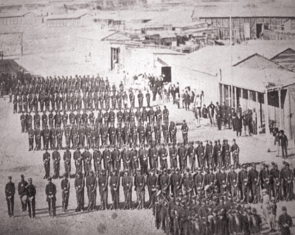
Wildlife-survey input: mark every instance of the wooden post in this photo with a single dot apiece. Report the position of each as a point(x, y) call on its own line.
point(222, 94)
point(266, 121)
point(280, 108)
point(234, 97)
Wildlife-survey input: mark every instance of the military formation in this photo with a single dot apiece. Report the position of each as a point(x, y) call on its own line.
point(111, 142)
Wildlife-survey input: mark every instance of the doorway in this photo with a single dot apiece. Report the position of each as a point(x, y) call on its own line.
point(259, 30)
point(115, 52)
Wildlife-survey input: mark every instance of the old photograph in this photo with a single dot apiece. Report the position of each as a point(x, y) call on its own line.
point(147, 117)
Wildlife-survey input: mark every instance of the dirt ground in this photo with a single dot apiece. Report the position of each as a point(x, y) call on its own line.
point(15, 159)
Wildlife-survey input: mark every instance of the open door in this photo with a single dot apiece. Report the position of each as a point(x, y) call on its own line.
point(115, 52)
point(166, 70)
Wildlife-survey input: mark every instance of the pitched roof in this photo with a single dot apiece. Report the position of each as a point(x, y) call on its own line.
point(75, 15)
point(116, 36)
point(255, 79)
point(239, 10)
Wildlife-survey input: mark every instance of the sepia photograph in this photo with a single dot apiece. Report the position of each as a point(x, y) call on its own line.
point(147, 117)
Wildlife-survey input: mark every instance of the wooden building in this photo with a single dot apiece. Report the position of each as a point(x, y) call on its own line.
point(20, 18)
point(69, 20)
point(246, 21)
point(286, 59)
point(256, 81)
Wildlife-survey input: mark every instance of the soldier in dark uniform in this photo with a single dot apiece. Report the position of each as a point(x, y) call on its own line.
point(285, 222)
point(31, 201)
point(23, 122)
point(199, 182)
point(149, 132)
point(235, 151)
point(140, 99)
point(114, 185)
point(153, 157)
point(275, 182)
point(20, 104)
point(254, 182)
point(65, 187)
point(143, 159)
point(287, 178)
point(103, 189)
point(50, 191)
point(97, 158)
point(91, 185)
point(218, 116)
point(22, 192)
point(56, 163)
point(163, 154)
point(46, 161)
point(139, 183)
point(31, 134)
point(67, 162)
point(191, 156)
point(127, 183)
point(112, 134)
point(201, 155)
point(151, 115)
point(232, 180)
point(157, 131)
point(172, 132)
point(184, 129)
point(9, 194)
point(59, 134)
point(15, 105)
point(119, 134)
point(173, 156)
point(148, 98)
point(182, 157)
point(79, 186)
point(87, 158)
point(244, 184)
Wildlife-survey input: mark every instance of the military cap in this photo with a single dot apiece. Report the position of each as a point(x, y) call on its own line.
point(284, 208)
point(9, 177)
point(287, 164)
point(49, 178)
point(22, 176)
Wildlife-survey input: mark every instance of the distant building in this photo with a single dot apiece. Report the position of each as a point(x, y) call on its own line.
point(19, 18)
point(248, 21)
point(69, 20)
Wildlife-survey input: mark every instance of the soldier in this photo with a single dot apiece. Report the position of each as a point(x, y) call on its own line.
point(37, 133)
point(141, 133)
point(20, 104)
point(285, 222)
point(23, 122)
point(15, 105)
point(151, 116)
point(91, 185)
point(153, 157)
point(209, 151)
point(31, 134)
point(254, 182)
point(200, 151)
point(149, 132)
point(119, 134)
point(244, 184)
point(59, 134)
point(173, 156)
point(140, 99)
point(139, 183)
point(191, 156)
point(103, 190)
point(97, 158)
point(79, 186)
point(172, 132)
point(287, 178)
point(184, 129)
point(134, 160)
point(107, 159)
point(44, 120)
point(188, 184)
point(235, 151)
point(264, 177)
point(226, 153)
point(65, 187)
point(114, 185)
point(182, 153)
point(275, 182)
point(112, 134)
point(9, 194)
point(127, 183)
point(164, 182)
point(46, 161)
point(52, 138)
point(87, 158)
point(157, 131)
point(163, 157)
point(65, 119)
point(22, 192)
point(56, 163)
point(209, 181)
point(199, 182)
point(31, 201)
point(143, 159)
point(67, 162)
point(165, 133)
point(50, 119)
point(50, 191)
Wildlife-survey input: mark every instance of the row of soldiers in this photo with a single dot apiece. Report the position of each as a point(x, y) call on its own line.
point(186, 185)
point(244, 184)
point(145, 157)
point(78, 101)
point(82, 118)
point(217, 214)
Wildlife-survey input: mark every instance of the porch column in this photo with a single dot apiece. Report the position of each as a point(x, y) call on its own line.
point(280, 108)
point(234, 97)
point(222, 94)
point(266, 121)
